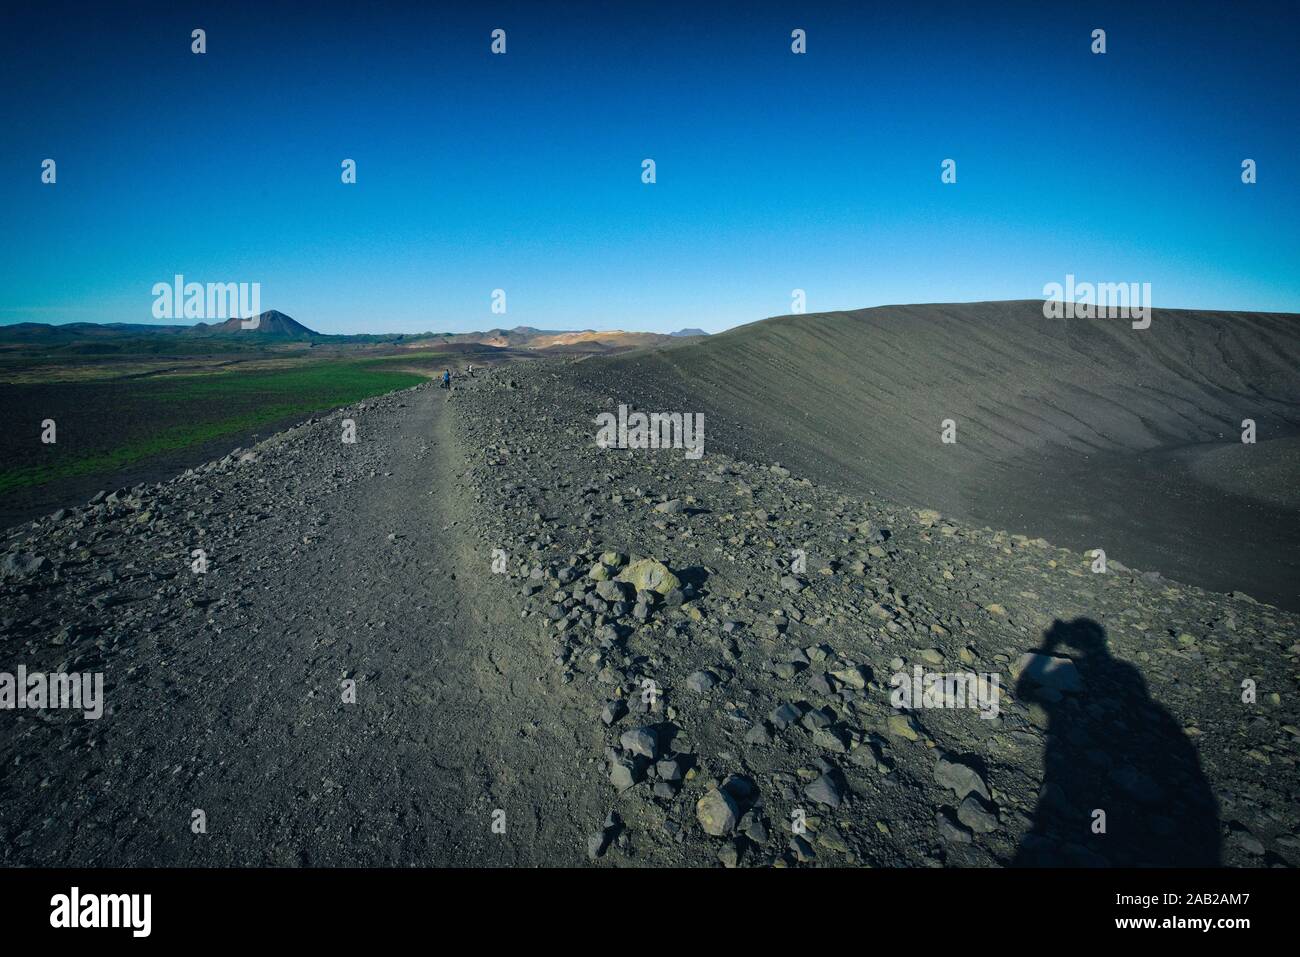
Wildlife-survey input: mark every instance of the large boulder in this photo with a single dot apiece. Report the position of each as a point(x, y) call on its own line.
point(650, 574)
point(717, 812)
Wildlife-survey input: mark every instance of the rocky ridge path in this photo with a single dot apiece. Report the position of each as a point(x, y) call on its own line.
point(327, 562)
point(1142, 721)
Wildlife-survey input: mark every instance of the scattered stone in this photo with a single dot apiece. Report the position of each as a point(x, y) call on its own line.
point(758, 734)
point(669, 769)
point(598, 842)
point(976, 815)
point(852, 675)
point(950, 829)
point(803, 851)
point(903, 726)
point(701, 681)
point(717, 812)
point(623, 774)
point(960, 777)
point(612, 590)
point(1049, 671)
point(641, 741)
point(785, 715)
point(729, 854)
point(613, 710)
point(22, 565)
point(827, 789)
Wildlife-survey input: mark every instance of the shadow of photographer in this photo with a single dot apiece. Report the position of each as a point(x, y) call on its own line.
point(1122, 785)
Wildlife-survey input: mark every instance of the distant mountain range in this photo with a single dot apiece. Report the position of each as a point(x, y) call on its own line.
point(271, 325)
point(276, 327)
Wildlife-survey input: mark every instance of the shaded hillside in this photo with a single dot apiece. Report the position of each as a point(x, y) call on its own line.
point(1086, 431)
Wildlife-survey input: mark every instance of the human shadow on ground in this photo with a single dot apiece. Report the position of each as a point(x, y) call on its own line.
point(1111, 749)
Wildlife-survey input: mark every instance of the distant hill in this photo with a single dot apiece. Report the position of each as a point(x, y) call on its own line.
point(527, 339)
point(270, 325)
point(561, 340)
point(277, 327)
point(41, 332)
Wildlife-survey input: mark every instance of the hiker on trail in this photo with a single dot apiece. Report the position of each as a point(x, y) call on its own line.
point(446, 379)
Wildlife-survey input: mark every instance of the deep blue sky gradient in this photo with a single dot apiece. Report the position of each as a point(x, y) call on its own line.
point(522, 171)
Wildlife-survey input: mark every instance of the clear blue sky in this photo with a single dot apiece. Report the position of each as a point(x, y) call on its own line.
point(523, 171)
